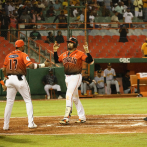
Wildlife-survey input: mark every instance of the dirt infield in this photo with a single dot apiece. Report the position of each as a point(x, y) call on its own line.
point(101, 124)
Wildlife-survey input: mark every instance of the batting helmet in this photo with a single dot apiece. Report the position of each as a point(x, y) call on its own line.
point(74, 41)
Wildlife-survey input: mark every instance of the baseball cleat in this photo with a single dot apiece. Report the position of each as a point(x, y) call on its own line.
point(145, 119)
point(80, 121)
point(85, 94)
point(33, 126)
point(48, 97)
point(60, 97)
point(95, 93)
point(5, 128)
point(64, 121)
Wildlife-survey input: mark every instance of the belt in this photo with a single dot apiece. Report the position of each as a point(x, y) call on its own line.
point(101, 88)
point(18, 76)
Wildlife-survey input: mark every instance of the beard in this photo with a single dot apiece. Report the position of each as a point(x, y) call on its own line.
point(70, 48)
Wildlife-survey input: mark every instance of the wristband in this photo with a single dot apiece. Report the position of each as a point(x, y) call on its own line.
point(35, 66)
point(41, 65)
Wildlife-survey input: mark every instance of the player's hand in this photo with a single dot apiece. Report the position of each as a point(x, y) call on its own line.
point(4, 87)
point(86, 47)
point(56, 46)
point(47, 64)
point(105, 84)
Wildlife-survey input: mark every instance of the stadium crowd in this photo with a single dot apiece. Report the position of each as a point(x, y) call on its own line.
point(25, 11)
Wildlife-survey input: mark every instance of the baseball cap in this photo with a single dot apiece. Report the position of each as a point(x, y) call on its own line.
point(115, 4)
point(99, 71)
point(72, 39)
point(19, 43)
point(109, 64)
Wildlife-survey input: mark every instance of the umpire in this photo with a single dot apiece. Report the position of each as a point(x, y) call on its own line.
point(50, 81)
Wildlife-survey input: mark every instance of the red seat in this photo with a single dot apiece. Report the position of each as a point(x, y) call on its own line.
point(1, 39)
point(44, 37)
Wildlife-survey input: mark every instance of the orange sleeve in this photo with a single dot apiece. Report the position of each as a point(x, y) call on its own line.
point(84, 57)
point(60, 58)
point(6, 62)
point(26, 60)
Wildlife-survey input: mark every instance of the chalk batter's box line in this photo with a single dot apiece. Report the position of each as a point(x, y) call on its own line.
point(143, 115)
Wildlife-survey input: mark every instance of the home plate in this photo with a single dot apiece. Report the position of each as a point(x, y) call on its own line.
point(139, 124)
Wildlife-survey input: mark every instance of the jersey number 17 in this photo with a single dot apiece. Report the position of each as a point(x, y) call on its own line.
point(13, 62)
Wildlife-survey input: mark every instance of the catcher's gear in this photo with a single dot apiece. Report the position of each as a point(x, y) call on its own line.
point(74, 41)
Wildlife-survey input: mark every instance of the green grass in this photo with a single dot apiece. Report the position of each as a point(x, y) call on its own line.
point(91, 106)
point(115, 140)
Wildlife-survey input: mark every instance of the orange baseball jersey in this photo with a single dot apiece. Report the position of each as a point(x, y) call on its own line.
point(16, 63)
point(72, 62)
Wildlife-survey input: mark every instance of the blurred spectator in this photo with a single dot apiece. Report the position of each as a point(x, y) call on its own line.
point(123, 34)
point(41, 6)
point(99, 79)
point(114, 19)
point(35, 35)
point(15, 13)
point(81, 18)
point(45, 2)
point(107, 3)
point(50, 38)
point(13, 25)
point(11, 7)
point(75, 12)
point(100, 2)
point(50, 12)
point(86, 83)
point(62, 19)
point(92, 19)
point(145, 10)
point(34, 17)
point(138, 8)
point(57, 6)
point(65, 3)
point(105, 11)
point(6, 6)
point(119, 9)
point(25, 18)
point(59, 38)
point(5, 21)
point(144, 49)
point(124, 7)
point(65, 11)
point(74, 2)
point(126, 83)
point(127, 17)
point(40, 16)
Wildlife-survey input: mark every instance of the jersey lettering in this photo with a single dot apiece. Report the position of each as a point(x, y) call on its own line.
point(69, 60)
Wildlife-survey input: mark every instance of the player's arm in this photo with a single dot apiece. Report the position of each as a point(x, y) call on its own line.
point(42, 65)
point(55, 48)
point(89, 58)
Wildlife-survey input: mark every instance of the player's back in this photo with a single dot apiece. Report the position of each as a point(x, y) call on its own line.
point(16, 63)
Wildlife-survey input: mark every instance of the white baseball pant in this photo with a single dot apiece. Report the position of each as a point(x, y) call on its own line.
point(115, 82)
point(14, 85)
point(72, 83)
point(55, 87)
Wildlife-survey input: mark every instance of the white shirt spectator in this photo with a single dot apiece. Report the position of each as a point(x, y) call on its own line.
point(75, 12)
point(128, 17)
point(41, 6)
point(81, 18)
point(124, 8)
point(91, 18)
point(10, 9)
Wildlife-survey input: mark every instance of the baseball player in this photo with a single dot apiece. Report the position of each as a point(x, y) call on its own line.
point(50, 81)
point(88, 82)
point(110, 78)
point(99, 79)
point(14, 70)
point(72, 61)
